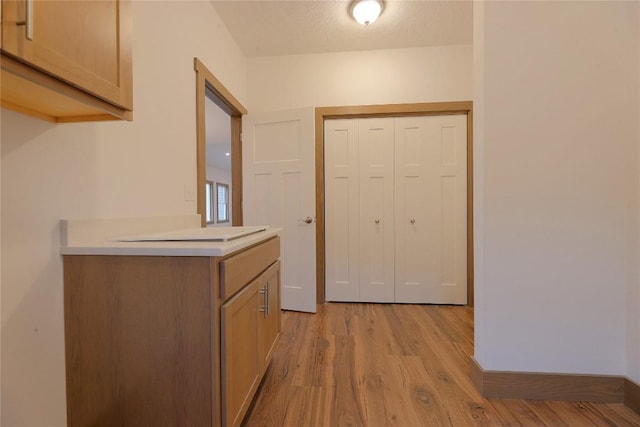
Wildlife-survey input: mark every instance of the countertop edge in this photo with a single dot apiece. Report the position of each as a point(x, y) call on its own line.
point(169, 248)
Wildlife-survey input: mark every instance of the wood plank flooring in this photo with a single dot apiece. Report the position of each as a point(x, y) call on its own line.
point(379, 365)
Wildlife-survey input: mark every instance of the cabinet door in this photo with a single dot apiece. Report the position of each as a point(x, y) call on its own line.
point(269, 325)
point(85, 43)
point(241, 368)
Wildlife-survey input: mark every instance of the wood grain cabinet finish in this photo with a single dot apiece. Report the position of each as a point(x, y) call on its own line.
point(67, 60)
point(240, 359)
point(150, 342)
point(250, 330)
point(269, 324)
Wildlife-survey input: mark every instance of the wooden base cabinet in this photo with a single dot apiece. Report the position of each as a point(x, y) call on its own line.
point(157, 341)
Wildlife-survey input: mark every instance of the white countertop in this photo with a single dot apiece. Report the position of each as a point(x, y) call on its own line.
point(104, 237)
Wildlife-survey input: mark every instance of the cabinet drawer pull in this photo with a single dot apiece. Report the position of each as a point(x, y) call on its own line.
point(28, 22)
point(264, 308)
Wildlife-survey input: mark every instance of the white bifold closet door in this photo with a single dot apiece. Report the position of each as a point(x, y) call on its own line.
point(342, 209)
point(431, 209)
point(395, 197)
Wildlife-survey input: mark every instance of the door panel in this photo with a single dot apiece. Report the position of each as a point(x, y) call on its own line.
point(342, 210)
point(279, 191)
point(431, 196)
point(376, 264)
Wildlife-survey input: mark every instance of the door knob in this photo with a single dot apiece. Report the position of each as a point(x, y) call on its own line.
point(307, 220)
point(377, 221)
point(413, 220)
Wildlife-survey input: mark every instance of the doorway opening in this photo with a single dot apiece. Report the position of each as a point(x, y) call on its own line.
point(218, 151)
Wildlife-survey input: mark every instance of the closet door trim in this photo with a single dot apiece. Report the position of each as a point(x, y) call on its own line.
point(390, 110)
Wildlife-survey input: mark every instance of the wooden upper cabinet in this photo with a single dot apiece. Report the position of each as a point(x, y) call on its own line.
point(75, 54)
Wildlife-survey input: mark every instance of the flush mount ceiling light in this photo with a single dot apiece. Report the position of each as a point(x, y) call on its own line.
point(366, 11)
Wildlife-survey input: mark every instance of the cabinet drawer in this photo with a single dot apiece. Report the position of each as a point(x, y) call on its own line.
point(237, 271)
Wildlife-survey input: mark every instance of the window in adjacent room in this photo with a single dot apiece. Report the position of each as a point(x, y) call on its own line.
point(209, 202)
point(222, 212)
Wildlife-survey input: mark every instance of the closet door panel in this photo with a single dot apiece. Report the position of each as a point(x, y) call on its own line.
point(453, 174)
point(341, 210)
point(417, 219)
point(377, 251)
point(430, 214)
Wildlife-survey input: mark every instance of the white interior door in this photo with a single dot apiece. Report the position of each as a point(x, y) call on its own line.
point(278, 190)
point(431, 209)
point(342, 210)
point(376, 166)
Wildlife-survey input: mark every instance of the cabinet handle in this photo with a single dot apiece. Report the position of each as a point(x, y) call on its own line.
point(413, 220)
point(28, 22)
point(264, 308)
point(377, 221)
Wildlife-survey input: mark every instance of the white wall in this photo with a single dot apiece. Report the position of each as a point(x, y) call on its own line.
point(218, 175)
point(430, 74)
point(559, 216)
point(478, 179)
point(86, 170)
point(1, 111)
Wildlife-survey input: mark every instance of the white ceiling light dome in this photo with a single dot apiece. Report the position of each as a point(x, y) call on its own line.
point(366, 11)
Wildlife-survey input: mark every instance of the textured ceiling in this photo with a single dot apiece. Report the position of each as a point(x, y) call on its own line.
point(285, 27)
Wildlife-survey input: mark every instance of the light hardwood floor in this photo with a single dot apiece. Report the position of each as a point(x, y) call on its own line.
point(379, 365)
